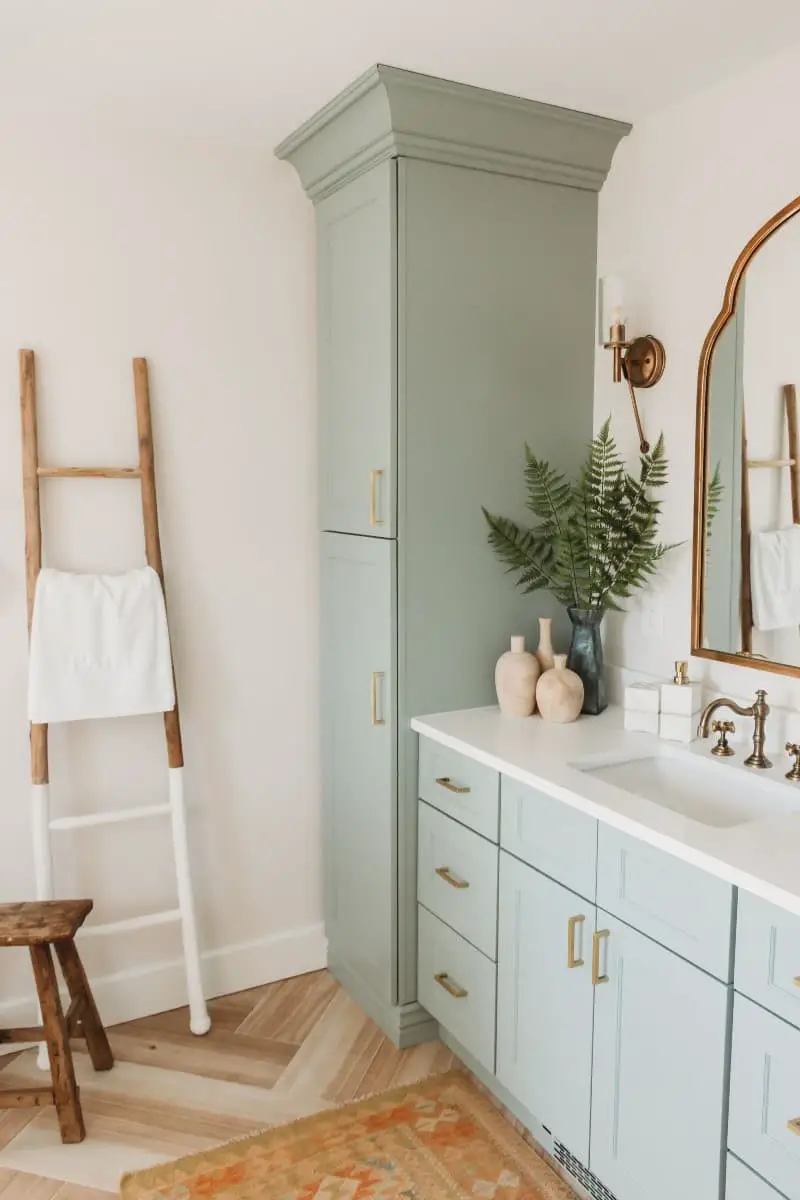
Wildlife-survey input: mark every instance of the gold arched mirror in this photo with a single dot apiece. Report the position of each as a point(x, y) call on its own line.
point(746, 576)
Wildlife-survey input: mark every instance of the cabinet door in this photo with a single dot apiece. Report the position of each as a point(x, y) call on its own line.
point(356, 320)
point(359, 759)
point(658, 1080)
point(544, 1004)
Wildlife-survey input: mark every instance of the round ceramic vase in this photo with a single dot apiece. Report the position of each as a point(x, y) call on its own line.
point(515, 678)
point(559, 693)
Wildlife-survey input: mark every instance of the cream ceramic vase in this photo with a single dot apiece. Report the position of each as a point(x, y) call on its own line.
point(559, 693)
point(515, 678)
point(544, 651)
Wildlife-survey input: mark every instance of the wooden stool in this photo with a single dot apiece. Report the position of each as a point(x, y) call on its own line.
point(40, 926)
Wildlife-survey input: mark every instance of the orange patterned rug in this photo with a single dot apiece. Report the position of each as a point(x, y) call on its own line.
point(436, 1140)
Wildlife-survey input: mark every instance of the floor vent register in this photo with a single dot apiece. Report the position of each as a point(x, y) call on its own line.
point(582, 1174)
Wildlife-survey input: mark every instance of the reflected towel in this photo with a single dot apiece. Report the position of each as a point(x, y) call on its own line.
point(775, 577)
point(99, 647)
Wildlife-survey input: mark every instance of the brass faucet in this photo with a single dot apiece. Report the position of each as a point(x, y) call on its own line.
point(758, 710)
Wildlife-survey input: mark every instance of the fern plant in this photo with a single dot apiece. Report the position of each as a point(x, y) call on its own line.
point(595, 541)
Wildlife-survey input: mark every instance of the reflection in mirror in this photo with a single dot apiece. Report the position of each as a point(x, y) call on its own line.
point(751, 596)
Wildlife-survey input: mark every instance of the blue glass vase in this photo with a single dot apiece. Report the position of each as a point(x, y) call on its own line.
point(586, 657)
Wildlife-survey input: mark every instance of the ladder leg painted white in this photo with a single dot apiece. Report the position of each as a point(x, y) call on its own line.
point(43, 870)
point(199, 1020)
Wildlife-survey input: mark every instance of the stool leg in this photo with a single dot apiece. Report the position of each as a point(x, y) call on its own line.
point(62, 1071)
point(78, 985)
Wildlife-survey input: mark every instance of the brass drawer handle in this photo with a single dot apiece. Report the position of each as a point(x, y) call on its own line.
point(373, 493)
point(797, 981)
point(446, 782)
point(444, 873)
point(376, 720)
point(453, 989)
point(794, 1126)
point(600, 936)
point(572, 925)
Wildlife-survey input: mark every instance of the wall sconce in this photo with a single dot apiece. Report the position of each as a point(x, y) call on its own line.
point(639, 362)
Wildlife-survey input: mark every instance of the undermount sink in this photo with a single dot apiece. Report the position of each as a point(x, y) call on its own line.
point(712, 793)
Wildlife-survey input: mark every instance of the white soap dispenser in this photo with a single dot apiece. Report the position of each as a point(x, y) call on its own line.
point(681, 702)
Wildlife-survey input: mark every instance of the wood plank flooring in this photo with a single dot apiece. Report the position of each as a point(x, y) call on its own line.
point(274, 1054)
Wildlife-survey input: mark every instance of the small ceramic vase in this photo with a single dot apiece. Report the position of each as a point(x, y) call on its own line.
point(515, 678)
point(544, 651)
point(559, 693)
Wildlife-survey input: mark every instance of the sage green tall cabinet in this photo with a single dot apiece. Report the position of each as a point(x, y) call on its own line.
point(456, 260)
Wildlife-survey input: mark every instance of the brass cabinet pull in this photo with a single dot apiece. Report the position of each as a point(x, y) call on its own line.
point(794, 1126)
point(572, 925)
point(444, 980)
point(446, 782)
point(374, 476)
point(444, 873)
point(599, 937)
point(376, 720)
point(797, 981)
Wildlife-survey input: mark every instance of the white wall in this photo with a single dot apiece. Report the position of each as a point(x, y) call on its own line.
point(686, 191)
point(113, 245)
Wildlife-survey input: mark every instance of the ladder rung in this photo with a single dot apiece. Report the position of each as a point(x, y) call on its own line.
point(111, 818)
point(88, 472)
point(145, 922)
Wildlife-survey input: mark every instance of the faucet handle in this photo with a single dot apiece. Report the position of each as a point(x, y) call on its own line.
point(793, 750)
point(722, 749)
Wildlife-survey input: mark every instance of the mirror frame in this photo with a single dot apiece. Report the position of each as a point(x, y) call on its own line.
point(701, 449)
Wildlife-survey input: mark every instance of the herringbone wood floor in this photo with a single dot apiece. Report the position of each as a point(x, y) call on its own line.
point(274, 1054)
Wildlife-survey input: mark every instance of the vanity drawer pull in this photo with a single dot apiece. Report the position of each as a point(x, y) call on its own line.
point(600, 936)
point(454, 989)
point(572, 925)
point(446, 782)
point(797, 981)
point(794, 1126)
point(444, 873)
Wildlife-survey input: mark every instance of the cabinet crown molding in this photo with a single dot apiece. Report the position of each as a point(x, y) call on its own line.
point(388, 113)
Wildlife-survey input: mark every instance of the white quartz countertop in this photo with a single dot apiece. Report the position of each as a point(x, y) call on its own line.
point(761, 856)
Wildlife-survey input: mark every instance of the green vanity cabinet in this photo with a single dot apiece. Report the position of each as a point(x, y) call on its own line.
point(456, 263)
point(545, 1000)
point(659, 1077)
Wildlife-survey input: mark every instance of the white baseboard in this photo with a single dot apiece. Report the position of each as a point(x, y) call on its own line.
point(161, 986)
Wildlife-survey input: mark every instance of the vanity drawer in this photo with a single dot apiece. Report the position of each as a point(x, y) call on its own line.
point(676, 904)
point(549, 835)
point(460, 787)
point(457, 878)
point(458, 986)
point(744, 1184)
point(768, 956)
point(764, 1119)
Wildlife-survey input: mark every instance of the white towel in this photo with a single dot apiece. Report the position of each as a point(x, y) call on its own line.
point(775, 577)
point(99, 647)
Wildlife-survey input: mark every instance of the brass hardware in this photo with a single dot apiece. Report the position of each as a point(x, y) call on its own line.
point(572, 925)
point(793, 750)
point(794, 1126)
point(703, 468)
point(376, 720)
point(444, 873)
point(758, 710)
point(723, 728)
point(681, 676)
point(640, 363)
point(374, 476)
point(797, 981)
point(446, 782)
point(454, 989)
point(601, 936)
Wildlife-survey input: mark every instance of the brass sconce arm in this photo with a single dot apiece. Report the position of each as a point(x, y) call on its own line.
point(641, 363)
